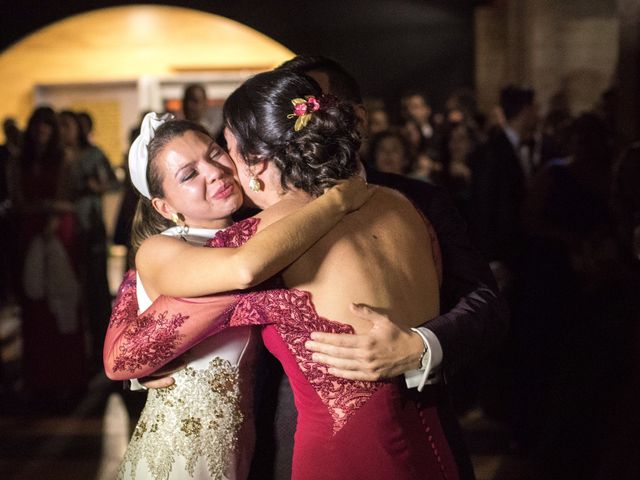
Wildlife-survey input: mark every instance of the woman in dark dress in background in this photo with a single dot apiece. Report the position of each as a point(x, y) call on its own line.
point(54, 364)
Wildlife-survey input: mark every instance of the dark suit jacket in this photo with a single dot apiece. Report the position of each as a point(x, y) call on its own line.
point(498, 193)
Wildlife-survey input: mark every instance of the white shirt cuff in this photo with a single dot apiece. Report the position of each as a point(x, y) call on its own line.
point(136, 385)
point(428, 373)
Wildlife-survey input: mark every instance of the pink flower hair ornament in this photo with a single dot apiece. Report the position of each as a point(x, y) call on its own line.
point(303, 108)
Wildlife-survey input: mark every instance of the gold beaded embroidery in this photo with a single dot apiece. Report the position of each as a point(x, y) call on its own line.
point(196, 418)
point(191, 426)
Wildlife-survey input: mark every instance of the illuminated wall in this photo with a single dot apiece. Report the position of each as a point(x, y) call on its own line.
point(569, 47)
point(125, 43)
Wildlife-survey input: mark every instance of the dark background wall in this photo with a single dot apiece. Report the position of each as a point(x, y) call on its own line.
point(389, 45)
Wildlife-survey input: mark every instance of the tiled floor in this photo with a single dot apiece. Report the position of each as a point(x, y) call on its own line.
point(86, 438)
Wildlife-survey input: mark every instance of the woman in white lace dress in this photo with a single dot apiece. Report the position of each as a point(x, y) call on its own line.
point(201, 427)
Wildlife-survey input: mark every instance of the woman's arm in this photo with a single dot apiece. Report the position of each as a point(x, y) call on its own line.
point(174, 268)
point(138, 344)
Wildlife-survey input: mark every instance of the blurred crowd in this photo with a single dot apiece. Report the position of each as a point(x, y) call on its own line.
point(54, 248)
point(550, 198)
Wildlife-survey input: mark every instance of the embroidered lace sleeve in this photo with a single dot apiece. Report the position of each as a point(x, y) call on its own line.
point(137, 344)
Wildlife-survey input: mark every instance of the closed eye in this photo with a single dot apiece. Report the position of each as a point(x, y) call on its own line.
point(189, 175)
point(215, 154)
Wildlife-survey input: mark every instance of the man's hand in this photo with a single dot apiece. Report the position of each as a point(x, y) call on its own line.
point(162, 378)
point(502, 274)
point(385, 351)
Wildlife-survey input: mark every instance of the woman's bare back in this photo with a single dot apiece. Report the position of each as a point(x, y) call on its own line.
point(381, 256)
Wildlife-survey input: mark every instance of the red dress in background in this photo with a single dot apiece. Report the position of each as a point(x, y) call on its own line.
point(346, 429)
point(52, 331)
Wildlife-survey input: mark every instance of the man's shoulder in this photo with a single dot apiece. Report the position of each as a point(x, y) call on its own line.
point(416, 190)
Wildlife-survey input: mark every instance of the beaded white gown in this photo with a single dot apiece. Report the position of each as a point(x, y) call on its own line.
point(201, 427)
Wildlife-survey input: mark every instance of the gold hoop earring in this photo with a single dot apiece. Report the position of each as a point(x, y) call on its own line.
point(183, 228)
point(255, 184)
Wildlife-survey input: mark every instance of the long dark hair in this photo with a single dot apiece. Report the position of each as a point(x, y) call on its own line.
point(147, 221)
point(81, 138)
point(53, 152)
point(312, 158)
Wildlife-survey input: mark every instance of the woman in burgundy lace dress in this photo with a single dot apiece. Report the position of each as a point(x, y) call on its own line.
point(289, 143)
point(201, 428)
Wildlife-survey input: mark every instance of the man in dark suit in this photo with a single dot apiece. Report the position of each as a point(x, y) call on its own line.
point(500, 174)
point(500, 177)
point(474, 318)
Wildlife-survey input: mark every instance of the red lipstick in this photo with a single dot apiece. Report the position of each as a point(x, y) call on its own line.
point(224, 191)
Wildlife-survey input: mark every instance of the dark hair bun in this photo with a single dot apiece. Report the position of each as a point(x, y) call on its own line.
point(312, 158)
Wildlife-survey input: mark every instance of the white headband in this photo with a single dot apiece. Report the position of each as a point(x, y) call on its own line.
point(139, 153)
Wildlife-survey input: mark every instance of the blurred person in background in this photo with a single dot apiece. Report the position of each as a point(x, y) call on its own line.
point(460, 148)
point(54, 365)
point(378, 121)
point(389, 152)
point(500, 178)
point(499, 172)
point(12, 139)
point(427, 164)
point(426, 168)
point(91, 176)
point(573, 289)
point(195, 105)
point(410, 130)
point(415, 106)
point(9, 155)
point(555, 126)
point(620, 448)
point(461, 107)
point(626, 201)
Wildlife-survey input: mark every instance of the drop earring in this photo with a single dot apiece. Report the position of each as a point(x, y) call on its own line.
point(183, 228)
point(255, 184)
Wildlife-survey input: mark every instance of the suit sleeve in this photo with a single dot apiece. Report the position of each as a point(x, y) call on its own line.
point(476, 316)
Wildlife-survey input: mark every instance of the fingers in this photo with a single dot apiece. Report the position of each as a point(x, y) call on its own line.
point(351, 369)
point(354, 375)
point(163, 382)
point(340, 363)
point(329, 349)
point(338, 186)
point(344, 340)
point(365, 312)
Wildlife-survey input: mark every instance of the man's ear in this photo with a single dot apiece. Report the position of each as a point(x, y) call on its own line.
point(162, 207)
point(362, 117)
